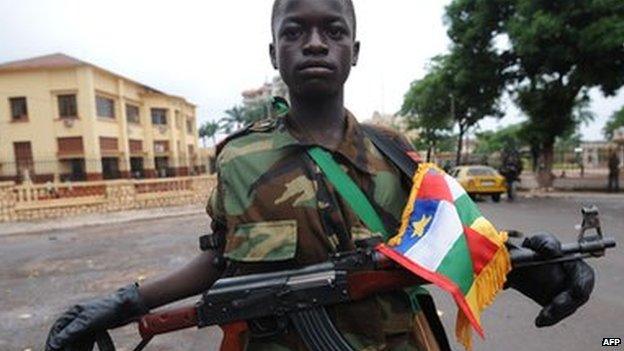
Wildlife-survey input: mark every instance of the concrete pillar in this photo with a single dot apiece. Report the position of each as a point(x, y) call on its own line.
point(124, 159)
point(174, 159)
point(148, 141)
point(87, 113)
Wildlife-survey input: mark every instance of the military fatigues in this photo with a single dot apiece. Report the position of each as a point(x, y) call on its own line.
point(276, 211)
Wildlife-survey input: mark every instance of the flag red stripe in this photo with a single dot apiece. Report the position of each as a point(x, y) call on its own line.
point(481, 249)
point(434, 187)
point(436, 279)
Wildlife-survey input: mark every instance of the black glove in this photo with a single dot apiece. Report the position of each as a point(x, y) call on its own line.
point(561, 288)
point(78, 326)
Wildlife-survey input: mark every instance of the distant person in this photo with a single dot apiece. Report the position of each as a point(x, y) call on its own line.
point(614, 172)
point(511, 168)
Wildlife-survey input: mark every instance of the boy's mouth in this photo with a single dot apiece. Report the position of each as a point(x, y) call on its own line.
point(316, 67)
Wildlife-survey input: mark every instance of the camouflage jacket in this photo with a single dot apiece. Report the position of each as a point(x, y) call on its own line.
point(276, 210)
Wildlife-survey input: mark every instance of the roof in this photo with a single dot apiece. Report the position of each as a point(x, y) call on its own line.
point(57, 60)
point(60, 60)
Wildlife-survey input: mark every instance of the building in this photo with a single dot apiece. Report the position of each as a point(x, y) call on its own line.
point(262, 96)
point(65, 119)
point(595, 154)
point(396, 122)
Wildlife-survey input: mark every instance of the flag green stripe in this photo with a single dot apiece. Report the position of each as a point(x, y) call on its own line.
point(467, 210)
point(457, 265)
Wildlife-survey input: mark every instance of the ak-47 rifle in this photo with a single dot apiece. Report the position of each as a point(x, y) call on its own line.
point(299, 296)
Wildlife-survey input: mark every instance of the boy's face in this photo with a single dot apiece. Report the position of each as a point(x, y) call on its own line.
point(314, 46)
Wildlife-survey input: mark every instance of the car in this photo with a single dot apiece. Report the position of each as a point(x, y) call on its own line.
point(480, 180)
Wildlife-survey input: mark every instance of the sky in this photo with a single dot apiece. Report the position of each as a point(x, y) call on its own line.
point(211, 51)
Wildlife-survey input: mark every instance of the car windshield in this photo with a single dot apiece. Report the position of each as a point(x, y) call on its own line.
point(481, 171)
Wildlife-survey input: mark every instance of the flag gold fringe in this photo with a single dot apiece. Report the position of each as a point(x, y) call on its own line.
point(486, 286)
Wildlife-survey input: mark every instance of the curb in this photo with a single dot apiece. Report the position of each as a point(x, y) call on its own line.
point(570, 194)
point(23, 228)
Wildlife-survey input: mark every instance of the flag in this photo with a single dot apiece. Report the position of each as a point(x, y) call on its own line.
point(444, 239)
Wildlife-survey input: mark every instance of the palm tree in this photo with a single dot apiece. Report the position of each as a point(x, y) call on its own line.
point(209, 129)
point(235, 119)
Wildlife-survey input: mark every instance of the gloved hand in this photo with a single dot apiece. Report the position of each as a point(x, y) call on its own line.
point(561, 288)
point(79, 325)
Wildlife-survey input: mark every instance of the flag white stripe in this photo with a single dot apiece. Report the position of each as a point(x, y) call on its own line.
point(456, 189)
point(446, 227)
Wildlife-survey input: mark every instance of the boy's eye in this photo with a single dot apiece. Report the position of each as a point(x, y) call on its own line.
point(291, 33)
point(336, 32)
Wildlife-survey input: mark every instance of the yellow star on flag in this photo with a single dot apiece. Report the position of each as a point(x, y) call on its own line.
point(419, 227)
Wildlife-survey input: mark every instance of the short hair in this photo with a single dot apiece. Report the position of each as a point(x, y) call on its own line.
point(278, 3)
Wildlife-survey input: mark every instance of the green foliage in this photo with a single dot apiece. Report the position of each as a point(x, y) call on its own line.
point(234, 119)
point(615, 121)
point(557, 50)
point(509, 137)
point(426, 108)
point(240, 116)
point(209, 129)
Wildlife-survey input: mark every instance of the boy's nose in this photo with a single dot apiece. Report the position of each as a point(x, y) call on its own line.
point(315, 45)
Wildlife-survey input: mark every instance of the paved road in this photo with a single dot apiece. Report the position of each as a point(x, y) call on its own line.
point(42, 273)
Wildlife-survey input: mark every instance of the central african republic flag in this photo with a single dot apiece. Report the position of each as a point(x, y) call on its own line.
point(444, 239)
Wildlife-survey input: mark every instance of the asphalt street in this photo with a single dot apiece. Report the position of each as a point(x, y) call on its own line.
point(42, 273)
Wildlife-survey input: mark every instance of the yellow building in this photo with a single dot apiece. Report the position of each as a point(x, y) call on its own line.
point(66, 119)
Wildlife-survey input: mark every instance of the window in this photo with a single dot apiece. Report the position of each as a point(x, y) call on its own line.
point(189, 126)
point(110, 168)
point(161, 146)
point(67, 106)
point(159, 116)
point(19, 110)
point(132, 114)
point(105, 107)
point(108, 144)
point(136, 146)
point(481, 171)
point(24, 159)
point(70, 145)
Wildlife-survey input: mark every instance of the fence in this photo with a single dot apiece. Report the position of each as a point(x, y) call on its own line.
point(29, 201)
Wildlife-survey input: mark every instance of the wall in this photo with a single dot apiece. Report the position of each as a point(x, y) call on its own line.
point(29, 202)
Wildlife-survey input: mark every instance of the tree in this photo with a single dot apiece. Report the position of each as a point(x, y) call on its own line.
point(615, 121)
point(209, 129)
point(234, 119)
point(557, 50)
point(490, 142)
point(450, 82)
point(256, 111)
point(425, 106)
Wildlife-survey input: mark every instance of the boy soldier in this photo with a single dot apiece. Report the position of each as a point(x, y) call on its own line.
point(273, 209)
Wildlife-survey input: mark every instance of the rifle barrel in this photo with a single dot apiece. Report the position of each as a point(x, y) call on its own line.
point(571, 251)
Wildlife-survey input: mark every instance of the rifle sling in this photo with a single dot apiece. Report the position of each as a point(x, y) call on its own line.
point(349, 191)
point(391, 149)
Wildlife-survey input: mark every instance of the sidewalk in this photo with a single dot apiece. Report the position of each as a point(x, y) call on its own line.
point(534, 193)
point(15, 228)
point(572, 182)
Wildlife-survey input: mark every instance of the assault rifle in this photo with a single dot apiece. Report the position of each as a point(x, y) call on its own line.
point(298, 297)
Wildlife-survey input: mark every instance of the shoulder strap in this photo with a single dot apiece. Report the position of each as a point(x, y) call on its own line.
point(391, 149)
point(349, 191)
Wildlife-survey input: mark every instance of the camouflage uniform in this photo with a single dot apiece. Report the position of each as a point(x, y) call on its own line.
point(277, 211)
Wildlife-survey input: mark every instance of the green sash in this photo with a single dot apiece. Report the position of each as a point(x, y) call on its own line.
point(349, 191)
point(360, 204)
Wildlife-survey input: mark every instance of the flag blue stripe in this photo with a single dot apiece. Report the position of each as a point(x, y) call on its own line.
point(421, 209)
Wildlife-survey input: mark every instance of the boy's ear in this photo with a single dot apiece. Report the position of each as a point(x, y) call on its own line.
point(356, 53)
point(272, 54)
